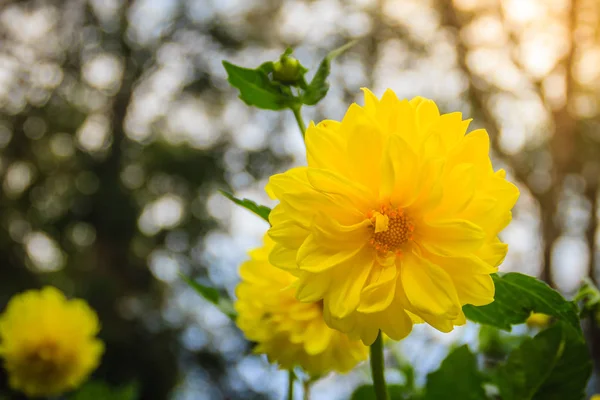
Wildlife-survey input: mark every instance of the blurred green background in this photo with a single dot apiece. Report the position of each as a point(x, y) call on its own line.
point(117, 128)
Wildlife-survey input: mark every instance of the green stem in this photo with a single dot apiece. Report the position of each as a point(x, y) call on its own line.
point(299, 120)
point(307, 384)
point(377, 369)
point(291, 376)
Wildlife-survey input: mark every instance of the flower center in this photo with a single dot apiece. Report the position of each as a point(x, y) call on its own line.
point(392, 228)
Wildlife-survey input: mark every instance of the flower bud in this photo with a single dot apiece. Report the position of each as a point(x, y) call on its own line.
point(538, 320)
point(288, 70)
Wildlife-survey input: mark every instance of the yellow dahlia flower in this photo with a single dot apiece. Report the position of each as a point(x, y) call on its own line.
point(394, 220)
point(48, 342)
point(289, 332)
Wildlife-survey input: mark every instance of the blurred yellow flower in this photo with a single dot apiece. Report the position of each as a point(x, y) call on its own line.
point(48, 342)
point(538, 320)
point(595, 397)
point(289, 332)
point(394, 220)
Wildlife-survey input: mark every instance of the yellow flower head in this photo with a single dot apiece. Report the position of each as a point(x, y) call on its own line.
point(394, 220)
point(48, 342)
point(289, 332)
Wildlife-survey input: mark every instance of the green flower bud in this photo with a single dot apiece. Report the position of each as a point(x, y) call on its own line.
point(288, 70)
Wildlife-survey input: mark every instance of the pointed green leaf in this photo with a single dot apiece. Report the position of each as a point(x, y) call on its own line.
point(261, 211)
point(554, 365)
point(256, 89)
point(518, 295)
point(212, 295)
point(457, 378)
point(318, 86)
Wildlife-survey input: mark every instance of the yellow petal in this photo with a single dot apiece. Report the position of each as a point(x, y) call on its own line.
point(294, 180)
point(379, 291)
point(441, 323)
point(312, 288)
point(288, 233)
point(493, 253)
point(451, 130)
point(347, 324)
point(353, 193)
point(415, 318)
point(314, 257)
point(365, 146)
point(330, 232)
point(427, 114)
point(329, 124)
point(399, 173)
point(350, 278)
point(318, 138)
point(459, 190)
point(406, 124)
point(304, 311)
point(387, 112)
point(449, 237)
point(303, 206)
point(284, 258)
point(319, 338)
point(473, 149)
point(428, 287)
point(480, 208)
point(367, 327)
point(476, 289)
point(430, 187)
point(461, 320)
point(462, 264)
point(395, 322)
point(371, 102)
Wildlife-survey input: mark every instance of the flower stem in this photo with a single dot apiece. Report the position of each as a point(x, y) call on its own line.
point(290, 395)
point(299, 120)
point(307, 384)
point(377, 369)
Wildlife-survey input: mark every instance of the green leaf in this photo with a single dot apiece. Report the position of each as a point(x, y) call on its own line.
point(589, 296)
point(367, 392)
point(261, 211)
point(318, 86)
point(256, 89)
point(554, 365)
point(497, 344)
point(212, 295)
point(96, 390)
point(457, 378)
point(518, 295)
point(209, 293)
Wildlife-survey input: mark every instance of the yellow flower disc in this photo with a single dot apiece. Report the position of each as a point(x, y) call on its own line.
point(48, 343)
point(289, 332)
point(394, 220)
